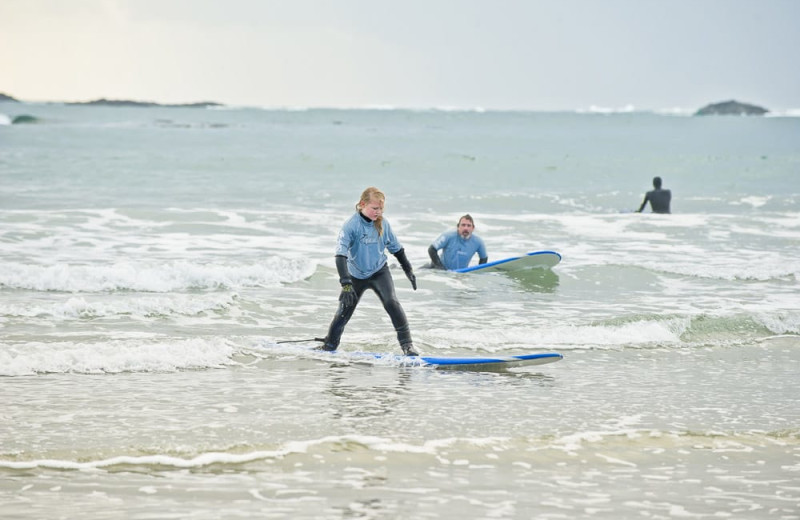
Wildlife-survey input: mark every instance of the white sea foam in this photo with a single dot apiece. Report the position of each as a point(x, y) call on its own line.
point(753, 200)
point(594, 109)
point(748, 265)
point(675, 111)
point(782, 322)
point(658, 243)
point(435, 447)
point(641, 333)
point(789, 112)
point(209, 458)
point(5, 120)
point(111, 235)
point(78, 307)
point(204, 459)
point(141, 276)
point(114, 356)
point(447, 451)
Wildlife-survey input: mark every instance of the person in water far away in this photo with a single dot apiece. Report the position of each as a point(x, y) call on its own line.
point(361, 264)
point(458, 246)
point(659, 199)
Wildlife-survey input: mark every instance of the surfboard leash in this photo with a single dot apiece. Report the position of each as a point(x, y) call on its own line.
point(322, 340)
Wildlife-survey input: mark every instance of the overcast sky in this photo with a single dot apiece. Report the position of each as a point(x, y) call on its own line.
point(491, 54)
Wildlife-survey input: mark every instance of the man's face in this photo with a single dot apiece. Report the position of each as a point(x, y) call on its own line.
point(465, 228)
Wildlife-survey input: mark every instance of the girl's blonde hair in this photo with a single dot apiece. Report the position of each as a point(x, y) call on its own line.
point(373, 193)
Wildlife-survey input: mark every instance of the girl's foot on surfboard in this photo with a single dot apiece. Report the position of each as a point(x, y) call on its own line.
point(326, 347)
point(409, 350)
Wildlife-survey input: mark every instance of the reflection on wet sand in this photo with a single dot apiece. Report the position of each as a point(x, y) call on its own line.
point(359, 395)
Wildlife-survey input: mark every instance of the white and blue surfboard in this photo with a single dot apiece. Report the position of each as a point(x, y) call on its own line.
point(451, 362)
point(517, 360)
point(540, 259)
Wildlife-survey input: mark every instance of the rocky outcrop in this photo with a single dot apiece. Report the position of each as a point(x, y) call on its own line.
point(24, 118)
point(731, 108)
point(126, 103)
point(130, 103)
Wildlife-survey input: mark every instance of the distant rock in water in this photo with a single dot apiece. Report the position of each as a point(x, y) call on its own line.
point(4, 97)
point(130, 103)
point(731, 108)
point(24, 118)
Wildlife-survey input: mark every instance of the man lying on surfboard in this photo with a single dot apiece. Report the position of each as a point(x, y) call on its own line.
point(458, 246)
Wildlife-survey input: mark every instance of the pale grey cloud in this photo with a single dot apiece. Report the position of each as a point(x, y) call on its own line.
point(554, 54)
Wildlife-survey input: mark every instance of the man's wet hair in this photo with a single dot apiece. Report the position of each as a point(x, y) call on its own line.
point(468, 217)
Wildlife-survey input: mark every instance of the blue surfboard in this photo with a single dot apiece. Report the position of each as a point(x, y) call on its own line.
point(456, 362)
point(542, 259)
point(518, 360)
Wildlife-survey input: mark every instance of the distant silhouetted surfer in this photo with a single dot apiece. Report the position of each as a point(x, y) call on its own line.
point(659, 199)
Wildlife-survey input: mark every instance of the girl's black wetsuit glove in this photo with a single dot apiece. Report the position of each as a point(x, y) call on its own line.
point(348, 295)
point(406, 265)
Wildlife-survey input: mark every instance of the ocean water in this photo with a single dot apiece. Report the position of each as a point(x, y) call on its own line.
point(151, 259)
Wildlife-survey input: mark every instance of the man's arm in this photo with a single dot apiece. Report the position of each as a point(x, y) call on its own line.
point(436, 262)
point(483, 255)
point(644, 203)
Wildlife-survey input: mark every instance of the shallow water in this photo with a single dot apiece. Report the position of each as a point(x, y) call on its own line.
point(152, 259)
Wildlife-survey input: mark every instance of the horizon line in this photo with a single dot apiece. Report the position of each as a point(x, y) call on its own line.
point(216, 105)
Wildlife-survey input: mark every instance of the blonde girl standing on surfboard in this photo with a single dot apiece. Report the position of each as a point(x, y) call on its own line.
point(362, 264)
